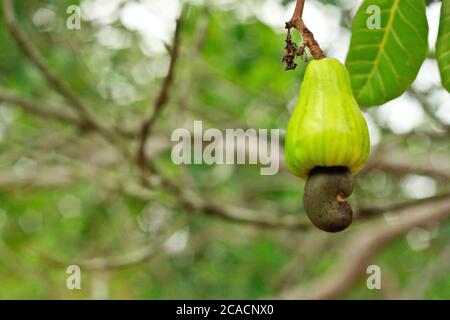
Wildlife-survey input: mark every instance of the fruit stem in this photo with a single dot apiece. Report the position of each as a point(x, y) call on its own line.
point(298, 11)
point(308, 38)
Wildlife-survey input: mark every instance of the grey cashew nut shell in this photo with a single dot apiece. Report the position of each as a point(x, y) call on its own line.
point(324, 198)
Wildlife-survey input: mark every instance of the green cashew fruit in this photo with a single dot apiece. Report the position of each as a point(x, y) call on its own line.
point(327, 140)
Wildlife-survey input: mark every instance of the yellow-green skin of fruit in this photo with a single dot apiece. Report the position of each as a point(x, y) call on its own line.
point(327, 127)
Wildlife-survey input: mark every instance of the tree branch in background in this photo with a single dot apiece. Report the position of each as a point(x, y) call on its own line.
point(38, 61)
point(56, 176)
point(88, 122)
point(372, 238)
point(363, 246)
point(193, 203)
point(32, 107)
point(403, 167)
point(121, 261)
point(387, 157)
point(366, 212)
point(163, 95)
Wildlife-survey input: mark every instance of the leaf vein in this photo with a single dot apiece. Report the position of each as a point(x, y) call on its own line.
point(383, 43)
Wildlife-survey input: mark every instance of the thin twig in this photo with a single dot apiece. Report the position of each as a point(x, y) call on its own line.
point(162, 97)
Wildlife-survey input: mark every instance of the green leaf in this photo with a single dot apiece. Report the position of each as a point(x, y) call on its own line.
point(384, 61)
point(443, 45)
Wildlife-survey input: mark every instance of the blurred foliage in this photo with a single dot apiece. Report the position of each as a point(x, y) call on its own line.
point(230, 77)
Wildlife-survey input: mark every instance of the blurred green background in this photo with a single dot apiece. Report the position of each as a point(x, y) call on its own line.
point(68, 196)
